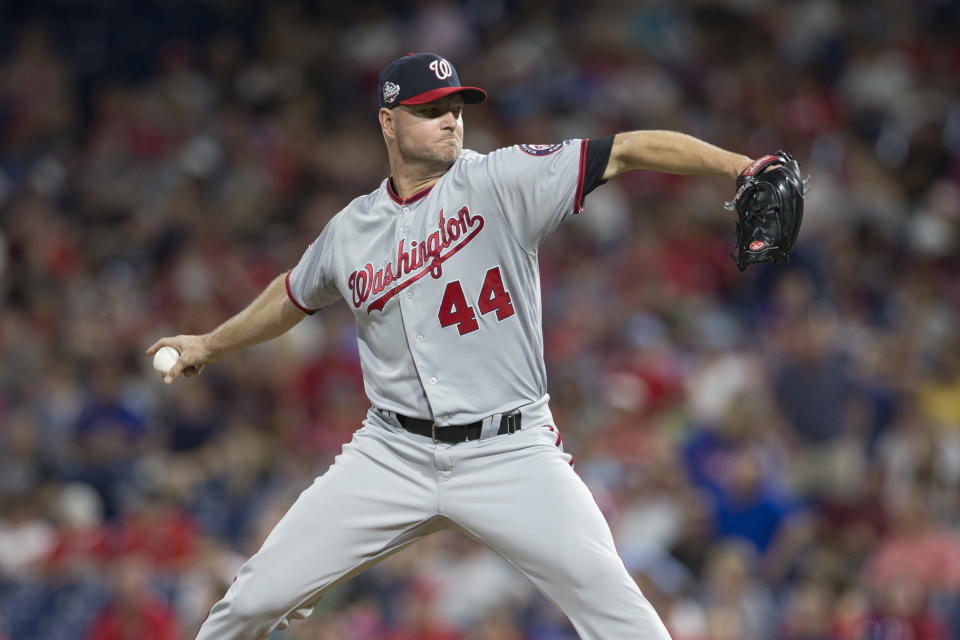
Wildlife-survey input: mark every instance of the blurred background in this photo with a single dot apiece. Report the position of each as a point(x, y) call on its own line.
point(778, 452)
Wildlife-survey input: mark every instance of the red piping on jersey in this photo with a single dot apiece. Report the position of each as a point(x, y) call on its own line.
point(578, 198)
point(396, 197)
point(559, 440)
point(556, 431)
point(286, 282)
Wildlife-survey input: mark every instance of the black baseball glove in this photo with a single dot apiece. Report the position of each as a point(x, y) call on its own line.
point(769, 204)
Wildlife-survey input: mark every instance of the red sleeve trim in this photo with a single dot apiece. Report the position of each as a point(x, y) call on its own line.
point(286, 282)
point(578, 197)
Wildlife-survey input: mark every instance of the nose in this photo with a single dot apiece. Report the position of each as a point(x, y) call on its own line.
point(448, 120)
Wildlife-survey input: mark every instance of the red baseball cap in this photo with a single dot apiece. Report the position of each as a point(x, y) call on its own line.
point(417, 78)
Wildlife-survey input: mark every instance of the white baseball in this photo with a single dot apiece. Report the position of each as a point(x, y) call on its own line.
point(164, 359)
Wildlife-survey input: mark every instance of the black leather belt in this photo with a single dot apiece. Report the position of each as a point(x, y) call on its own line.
point(458, 433)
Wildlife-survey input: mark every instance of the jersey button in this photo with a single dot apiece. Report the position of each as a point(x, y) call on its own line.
point(433, 381)
point(406, 209)
point(409, 295)
point(420, 337)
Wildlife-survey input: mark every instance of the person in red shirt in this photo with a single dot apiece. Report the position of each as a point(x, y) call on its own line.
point(135, 612)
point(901, 611)
point(418, 618)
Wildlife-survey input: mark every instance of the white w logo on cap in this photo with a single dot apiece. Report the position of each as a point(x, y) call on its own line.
point(441, 68)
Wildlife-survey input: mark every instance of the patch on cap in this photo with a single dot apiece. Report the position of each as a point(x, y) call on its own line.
point(390, 92)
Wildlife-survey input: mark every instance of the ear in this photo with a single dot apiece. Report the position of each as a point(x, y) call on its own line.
point(387, 123)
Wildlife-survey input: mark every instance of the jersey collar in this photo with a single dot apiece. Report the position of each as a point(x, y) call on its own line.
point(419, 195)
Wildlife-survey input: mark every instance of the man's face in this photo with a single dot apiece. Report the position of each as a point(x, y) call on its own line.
point(432, 133)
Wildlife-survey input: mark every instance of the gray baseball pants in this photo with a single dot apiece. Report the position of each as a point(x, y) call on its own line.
point(516, 493)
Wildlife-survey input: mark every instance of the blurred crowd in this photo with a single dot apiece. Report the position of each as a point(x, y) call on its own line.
point(778, 451)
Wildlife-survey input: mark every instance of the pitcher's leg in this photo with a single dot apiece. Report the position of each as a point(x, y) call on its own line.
point(529, 506)
point(373, 501)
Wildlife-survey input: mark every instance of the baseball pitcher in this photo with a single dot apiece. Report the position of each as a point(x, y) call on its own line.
point(439, 266)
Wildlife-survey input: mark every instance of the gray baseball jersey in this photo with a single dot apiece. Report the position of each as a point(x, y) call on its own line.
point(446, 293)
point(454, 268)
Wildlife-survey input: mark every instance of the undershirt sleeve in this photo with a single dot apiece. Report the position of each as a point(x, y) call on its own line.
point(598, 155)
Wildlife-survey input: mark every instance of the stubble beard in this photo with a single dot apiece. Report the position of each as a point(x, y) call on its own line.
point(433, 159)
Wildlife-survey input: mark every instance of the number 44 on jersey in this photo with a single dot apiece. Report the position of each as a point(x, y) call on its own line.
point(454, 309)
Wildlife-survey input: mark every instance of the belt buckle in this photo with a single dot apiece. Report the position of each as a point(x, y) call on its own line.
point(433, 432)
point(508, 424)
